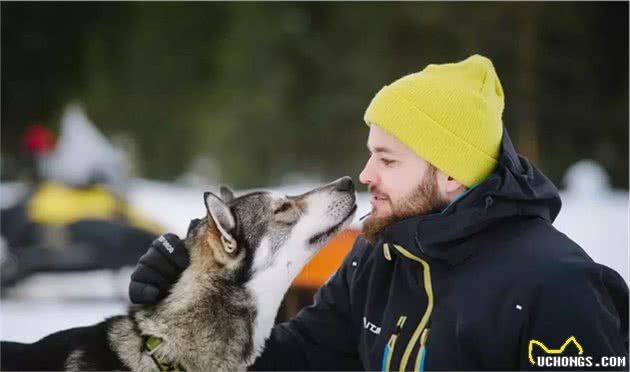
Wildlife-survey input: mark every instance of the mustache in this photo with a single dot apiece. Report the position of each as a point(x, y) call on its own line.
point(376, 191)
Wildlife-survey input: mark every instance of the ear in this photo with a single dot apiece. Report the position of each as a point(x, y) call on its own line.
point(223, 219)
point(226, 194)
point(452, 185)
point(449, 186)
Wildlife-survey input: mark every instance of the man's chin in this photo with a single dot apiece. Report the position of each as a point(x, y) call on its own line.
point(374, 225)
point(424, 199)
point(377, 221)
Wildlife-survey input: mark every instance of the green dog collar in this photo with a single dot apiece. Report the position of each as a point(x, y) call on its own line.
point(151, 345)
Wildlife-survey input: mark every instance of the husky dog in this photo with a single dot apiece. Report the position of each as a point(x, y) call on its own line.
point(244, 254)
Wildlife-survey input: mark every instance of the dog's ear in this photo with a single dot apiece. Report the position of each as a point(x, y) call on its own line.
point(226, 194)
point(223, 219)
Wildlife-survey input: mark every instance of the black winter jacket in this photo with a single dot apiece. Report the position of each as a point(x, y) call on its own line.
point(488, 284)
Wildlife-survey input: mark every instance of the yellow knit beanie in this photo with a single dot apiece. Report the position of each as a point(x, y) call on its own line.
point(449, 114)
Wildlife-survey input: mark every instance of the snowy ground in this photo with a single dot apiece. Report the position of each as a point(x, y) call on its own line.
point(592, 215)
point(28, 321)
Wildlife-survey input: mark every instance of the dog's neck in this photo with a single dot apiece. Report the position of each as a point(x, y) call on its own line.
point(204, 324)
point(268, 289)
point(206, 321)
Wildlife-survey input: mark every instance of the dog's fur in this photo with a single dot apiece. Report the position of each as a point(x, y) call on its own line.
point(243, 257)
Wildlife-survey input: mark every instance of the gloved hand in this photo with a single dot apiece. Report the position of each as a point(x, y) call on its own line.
point(158, 270)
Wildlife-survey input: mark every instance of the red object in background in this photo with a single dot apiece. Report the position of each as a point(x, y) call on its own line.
point(38, 139)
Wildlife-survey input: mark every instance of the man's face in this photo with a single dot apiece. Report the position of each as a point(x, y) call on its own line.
point(401, 183)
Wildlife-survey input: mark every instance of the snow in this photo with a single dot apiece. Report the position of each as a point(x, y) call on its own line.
point(28, 321)
point(48, 303)
point(595, 216)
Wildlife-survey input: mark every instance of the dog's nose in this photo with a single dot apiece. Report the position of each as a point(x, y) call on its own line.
point(344, 184)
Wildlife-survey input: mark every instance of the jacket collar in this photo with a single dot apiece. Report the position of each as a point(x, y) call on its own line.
point(515, 188)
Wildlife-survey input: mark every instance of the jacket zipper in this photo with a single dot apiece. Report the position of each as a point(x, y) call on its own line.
point(419, 366)
point(422, 329)
point(391, 344)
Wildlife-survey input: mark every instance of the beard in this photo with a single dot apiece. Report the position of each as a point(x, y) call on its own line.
point(424, 199)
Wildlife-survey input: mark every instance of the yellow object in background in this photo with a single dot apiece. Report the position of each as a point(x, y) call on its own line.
point(57, 204)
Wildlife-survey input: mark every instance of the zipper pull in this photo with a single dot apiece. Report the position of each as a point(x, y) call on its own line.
point(392, 341)
point(394, 336)
point(400, 324)
point(424, 336)
point(386, 253)
point(419, 366)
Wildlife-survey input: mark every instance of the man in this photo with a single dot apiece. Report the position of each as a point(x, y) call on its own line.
point(458, 266)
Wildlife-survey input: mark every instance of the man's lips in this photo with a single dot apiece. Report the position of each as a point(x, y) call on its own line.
point(377, 200)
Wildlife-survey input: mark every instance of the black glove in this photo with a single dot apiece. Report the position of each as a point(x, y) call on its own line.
point(158, 270)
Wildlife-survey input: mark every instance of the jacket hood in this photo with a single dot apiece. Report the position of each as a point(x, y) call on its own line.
point(515, 189)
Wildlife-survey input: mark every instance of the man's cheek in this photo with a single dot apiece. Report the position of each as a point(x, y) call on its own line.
point(383, 207)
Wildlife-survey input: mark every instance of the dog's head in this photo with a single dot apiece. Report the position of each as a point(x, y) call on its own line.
point(267, 232)
point(247, 250)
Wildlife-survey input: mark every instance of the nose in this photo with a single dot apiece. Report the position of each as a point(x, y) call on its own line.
point(367, 175)
point(344, 184)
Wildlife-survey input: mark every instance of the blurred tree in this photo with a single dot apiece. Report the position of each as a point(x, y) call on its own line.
point(42, 46)
point(266, 90)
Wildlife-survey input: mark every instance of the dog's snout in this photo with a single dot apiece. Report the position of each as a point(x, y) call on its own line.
point(344, 184)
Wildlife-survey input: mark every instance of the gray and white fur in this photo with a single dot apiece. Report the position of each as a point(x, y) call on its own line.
point(244, 254)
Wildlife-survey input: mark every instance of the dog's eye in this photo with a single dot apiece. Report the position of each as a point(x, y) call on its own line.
point(287, 222)
point(283, 208)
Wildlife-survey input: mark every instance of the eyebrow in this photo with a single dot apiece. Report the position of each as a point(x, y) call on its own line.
point(379, 149)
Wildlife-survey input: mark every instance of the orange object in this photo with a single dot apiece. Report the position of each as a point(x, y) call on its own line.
point(327, 261)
